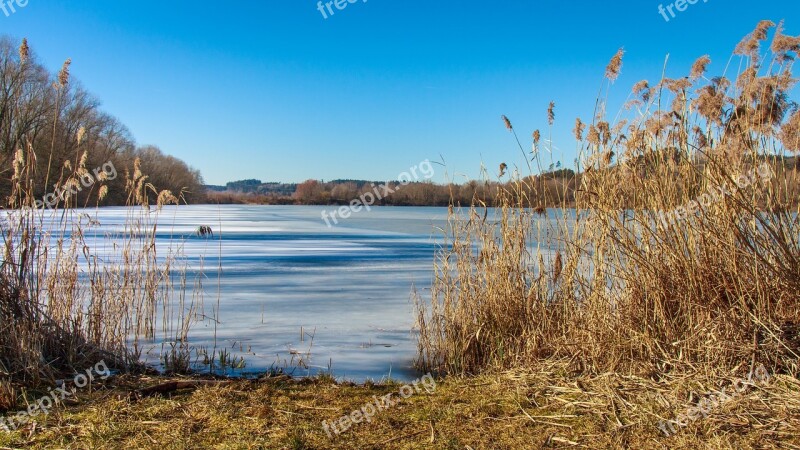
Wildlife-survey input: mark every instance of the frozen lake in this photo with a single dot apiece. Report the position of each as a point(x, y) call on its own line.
point(284, 270)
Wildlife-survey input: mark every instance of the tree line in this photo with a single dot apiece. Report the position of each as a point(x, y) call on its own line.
point(549, 189)
point(49, 119)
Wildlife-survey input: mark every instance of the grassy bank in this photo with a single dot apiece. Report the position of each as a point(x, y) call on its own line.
point(549, 408)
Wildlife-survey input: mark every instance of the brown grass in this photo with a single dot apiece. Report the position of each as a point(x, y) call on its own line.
point(547, 408)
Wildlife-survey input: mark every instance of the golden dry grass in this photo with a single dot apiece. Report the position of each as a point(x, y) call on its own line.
point(548, 408)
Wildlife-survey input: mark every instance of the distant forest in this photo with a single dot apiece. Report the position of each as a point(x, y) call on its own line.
point(52, 126)
point(554, 188)
point(558, 184)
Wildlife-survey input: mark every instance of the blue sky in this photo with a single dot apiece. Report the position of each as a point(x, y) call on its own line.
point(273, 90)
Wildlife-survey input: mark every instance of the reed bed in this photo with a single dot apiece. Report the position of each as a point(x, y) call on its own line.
point(619, 283)
point(64, 306)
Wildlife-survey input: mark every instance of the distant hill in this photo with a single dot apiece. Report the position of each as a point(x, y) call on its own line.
point(266, 188)
point(255, 187)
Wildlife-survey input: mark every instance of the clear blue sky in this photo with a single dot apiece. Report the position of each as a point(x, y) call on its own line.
point(272, 90)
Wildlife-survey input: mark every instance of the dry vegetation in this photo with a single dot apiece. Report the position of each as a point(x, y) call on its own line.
point(609, 285)
point(64, 306)
point(545, 408)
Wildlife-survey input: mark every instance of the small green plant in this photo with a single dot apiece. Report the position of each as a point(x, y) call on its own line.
point(176, 360)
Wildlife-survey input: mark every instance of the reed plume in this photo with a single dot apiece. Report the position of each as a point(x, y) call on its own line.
point(615, 66)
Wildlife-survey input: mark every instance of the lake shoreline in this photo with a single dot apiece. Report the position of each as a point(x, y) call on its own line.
point(513, 409)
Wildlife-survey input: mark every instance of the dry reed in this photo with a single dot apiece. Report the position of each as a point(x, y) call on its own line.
point(608, 284)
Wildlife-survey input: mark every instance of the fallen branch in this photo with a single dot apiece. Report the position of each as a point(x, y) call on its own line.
point(172, 386)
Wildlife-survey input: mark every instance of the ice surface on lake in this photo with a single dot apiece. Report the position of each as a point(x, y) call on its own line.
point(277, 270)
point(283, 270)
